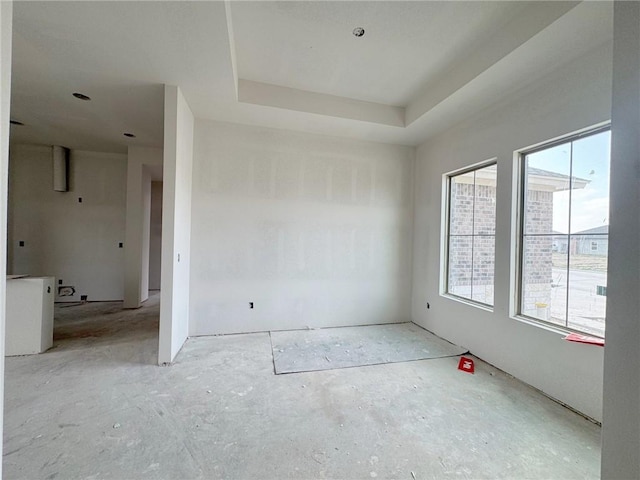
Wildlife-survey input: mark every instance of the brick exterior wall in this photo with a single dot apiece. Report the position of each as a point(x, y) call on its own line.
point(472, 241)
point(538, 254)
point(461, 215)
point(539, 214)
point(472, 246)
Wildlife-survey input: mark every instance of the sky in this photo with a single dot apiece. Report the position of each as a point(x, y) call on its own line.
point(591, 160)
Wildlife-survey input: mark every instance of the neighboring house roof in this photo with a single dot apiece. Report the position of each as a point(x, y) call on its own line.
point(547, 173)
point(604, 229)
point(544, 180)
point(538, 179)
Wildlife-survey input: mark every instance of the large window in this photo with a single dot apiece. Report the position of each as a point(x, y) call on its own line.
point(564, 232)
point(470, 239)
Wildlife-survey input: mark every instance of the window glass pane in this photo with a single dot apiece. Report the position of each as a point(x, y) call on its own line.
point(483, 269)
point(461, 204)
point(484, 217)
point(544, 280)
point(590, 193)
point(588, 283)
point(460, 256)
point(471, 243)
point(575, 176)
point(547, 183)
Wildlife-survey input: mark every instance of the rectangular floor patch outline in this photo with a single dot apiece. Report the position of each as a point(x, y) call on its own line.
point(328, 348)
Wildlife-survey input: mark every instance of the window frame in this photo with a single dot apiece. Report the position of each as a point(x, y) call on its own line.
point(446, 227)
point(519, 219)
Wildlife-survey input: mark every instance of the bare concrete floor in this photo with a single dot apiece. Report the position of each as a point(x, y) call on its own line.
point(96, 406)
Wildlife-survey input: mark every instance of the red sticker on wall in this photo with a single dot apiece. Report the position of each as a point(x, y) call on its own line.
point(466, 365)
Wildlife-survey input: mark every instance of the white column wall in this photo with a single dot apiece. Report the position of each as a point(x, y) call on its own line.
point(621, 423)
point(176, 224)
point(136, 273)
point(6, 23)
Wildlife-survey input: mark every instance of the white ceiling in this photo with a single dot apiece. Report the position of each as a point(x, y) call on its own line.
point(120, 54)
point(419, 68)
point(404, 46)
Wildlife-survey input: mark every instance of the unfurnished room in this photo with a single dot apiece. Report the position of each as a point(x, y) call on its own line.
point(320, 239)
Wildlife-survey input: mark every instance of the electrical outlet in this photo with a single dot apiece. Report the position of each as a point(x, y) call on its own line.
point(21, 243)
point(251, 305)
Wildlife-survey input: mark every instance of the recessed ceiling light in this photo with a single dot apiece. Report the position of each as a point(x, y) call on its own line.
point(81, 96)
point(130, 135)
point(358, 31)
point(15, 122)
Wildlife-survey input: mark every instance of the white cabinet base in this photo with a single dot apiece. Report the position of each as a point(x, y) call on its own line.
point(29, 327)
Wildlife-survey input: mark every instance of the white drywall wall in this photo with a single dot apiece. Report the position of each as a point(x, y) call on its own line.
point(155, 242)
point(621, 424)
point(572, 98)
point(313, 102)
point(176, 224)
point(72, 241)
point(6, 23)
point(315, 230)
point(136, 275)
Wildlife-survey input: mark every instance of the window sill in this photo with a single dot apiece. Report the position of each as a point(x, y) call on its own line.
point(466, 301)
point(557, 329)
